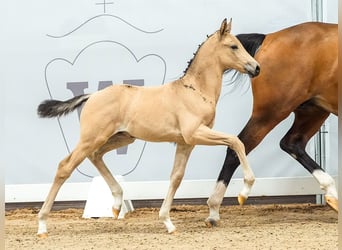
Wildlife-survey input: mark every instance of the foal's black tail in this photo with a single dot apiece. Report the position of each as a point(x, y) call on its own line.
point(251, 42)
point(55, 108)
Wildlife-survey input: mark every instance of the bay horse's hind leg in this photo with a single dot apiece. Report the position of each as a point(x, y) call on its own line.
point(116, 141)
point(308, 120)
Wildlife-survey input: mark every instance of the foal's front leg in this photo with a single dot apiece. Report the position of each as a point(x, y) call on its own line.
point(181, 158)
point(203, 135)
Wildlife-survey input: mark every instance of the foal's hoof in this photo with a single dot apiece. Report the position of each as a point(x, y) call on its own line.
point(211, 223)
point(332, 202)
point(241, 199)
point(42, 235)
point(172, 230)
point(115, 213)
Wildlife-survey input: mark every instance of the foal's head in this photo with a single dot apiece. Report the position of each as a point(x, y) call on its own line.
point(229, 51)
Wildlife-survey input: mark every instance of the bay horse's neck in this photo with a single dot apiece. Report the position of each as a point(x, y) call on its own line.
point(205, 75)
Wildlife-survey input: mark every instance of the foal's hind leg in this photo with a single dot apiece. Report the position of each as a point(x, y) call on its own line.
point(96, 158)
point(308, 119)
point(183, 152)
point(65, 168)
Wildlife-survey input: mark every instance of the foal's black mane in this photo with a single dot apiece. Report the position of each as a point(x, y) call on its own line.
point(194, 54)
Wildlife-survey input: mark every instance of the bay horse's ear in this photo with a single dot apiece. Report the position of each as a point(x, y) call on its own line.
point(225, 27)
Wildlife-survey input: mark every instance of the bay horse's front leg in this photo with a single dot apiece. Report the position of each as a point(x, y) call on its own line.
point(308, 119)
point(183, 152)
point(206, 136)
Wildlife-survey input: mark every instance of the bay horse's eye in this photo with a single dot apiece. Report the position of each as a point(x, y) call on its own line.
point(234, 47)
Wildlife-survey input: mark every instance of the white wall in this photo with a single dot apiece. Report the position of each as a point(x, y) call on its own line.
point(47, 44)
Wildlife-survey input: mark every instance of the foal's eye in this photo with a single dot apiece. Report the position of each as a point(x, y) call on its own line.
point(234, 47)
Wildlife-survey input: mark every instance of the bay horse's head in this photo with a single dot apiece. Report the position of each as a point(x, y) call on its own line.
point(231, 53)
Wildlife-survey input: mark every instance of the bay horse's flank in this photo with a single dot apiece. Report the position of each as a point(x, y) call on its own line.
point(181, 111)
point(299, 74)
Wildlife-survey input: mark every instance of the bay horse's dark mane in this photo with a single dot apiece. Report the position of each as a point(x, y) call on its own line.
point(251, 42)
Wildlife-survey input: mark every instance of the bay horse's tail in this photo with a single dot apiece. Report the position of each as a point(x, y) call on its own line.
point(251, 42)
point(55, 108)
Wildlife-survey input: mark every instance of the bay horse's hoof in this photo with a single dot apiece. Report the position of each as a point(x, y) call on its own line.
point(332, 202)
point(241, 199)
point(115, 213)
point(42, 235)
point(211, 223)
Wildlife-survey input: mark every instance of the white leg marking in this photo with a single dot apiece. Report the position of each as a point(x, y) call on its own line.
point(164, 215)
point(112, 183)
point(215, 201)
point(247, 186)
point(248, 174)
point(42, 229)
point(169, 226)
point(326, 183)
point(117, 201)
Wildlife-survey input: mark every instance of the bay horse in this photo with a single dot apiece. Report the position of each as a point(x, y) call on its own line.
point(299, 75)
point(181, 111)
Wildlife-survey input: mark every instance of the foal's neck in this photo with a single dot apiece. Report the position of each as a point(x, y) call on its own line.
point(205, 76)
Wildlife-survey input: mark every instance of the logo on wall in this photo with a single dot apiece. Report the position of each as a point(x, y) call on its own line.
point(101, 51)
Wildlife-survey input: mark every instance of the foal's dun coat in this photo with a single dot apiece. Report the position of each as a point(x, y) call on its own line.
point(182, 111)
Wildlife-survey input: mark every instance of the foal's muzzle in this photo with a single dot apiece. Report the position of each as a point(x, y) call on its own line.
point(252, 70)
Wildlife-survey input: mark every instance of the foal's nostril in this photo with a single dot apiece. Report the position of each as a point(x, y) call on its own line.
point(257, 70)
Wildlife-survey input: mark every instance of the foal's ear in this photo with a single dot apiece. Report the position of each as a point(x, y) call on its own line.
point(229, 26)
point(225, 27)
